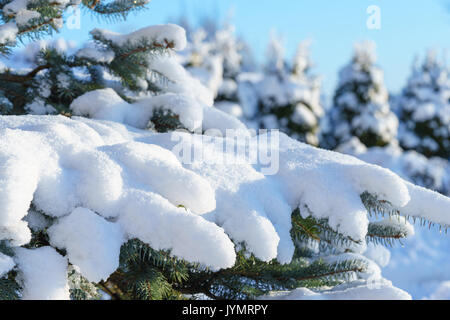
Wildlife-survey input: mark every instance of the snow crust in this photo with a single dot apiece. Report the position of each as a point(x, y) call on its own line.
point(110, 182)
point(84, 234)
point(44, 274)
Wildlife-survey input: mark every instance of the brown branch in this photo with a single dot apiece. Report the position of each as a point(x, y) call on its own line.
point(115, 294)
point(37, 26)
point(94, 4)
point(24, 78)
point(307, 231)
point(32, 73)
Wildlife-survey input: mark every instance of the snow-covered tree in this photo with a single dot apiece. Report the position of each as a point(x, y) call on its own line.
point(289, 95)
point(51, 82)
point(108, 197)
point(217, 57)
point(432, 173)
point(361, 103)
point(424, 109)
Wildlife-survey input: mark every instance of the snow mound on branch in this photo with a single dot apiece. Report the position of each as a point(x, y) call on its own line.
point(357, 290)
point(401, 224)
point(255, 209)
point(44, 274)
point(378, 253)
point(342, 178)
point(78, 167)
point(84, 235)
point(6, 264)
point(19, 15)
point(432, 173)
point(106, 104)
point(152, 219)
point(158, 168)
point(157, 188)
point(168, 35)
point(92, 53)
point(180, 81)
point(8, 32)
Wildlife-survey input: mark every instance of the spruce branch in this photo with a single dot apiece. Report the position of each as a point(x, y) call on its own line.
point(115, 10)
point(378, 207)
point(9, 289)
point(310, 228)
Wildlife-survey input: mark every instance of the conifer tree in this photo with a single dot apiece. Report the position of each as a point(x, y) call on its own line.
point(217, 57)
point(149, 90)
point(52, 83)
point(361, 103)
point(424, 109)
point(289, 95)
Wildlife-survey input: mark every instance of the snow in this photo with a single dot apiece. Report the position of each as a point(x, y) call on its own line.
point(106, 104)
point(105, 180)
point(27, 57)
point(168, 35)
point(357, 290)
point(301, 59)
point(197, 208)
point(363, 111)
point(302, 115)
point(154, 220)
point(18, 233)
point(157, 168)
point(8, 32)
point(39, 107)
point(378, 253)
point(43, 272)
point(399, 223)
point(275, 54)
point(6, 264)
point(36, 220)
point(180, 81)
point(24, 16)
point(15, 6)
point(93, 53)
point(18, 9)
point(230, 108)
point(433, 173)
point(421, 263)
point(215, 119)
point(424, 113)
point(319, 171)
point(19, 174)
point(424, 108)
point(429, 205)
point(84, 234)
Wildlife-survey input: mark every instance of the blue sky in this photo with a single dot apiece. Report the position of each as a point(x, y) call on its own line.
point(408, 28)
